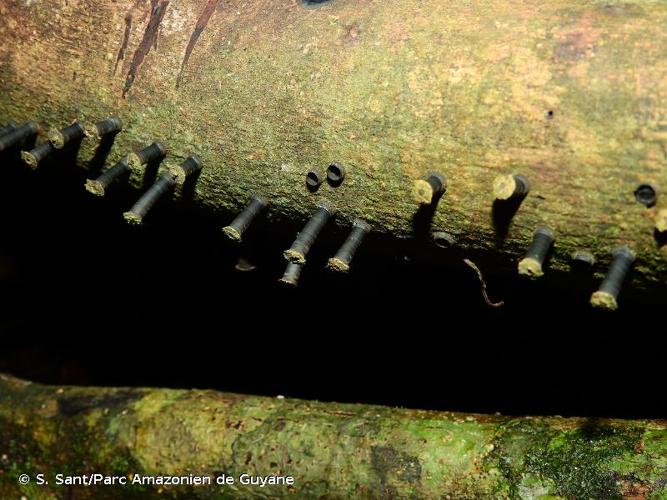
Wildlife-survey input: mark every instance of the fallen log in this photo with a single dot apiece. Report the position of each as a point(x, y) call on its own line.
point(330, 450)
point(571, 95)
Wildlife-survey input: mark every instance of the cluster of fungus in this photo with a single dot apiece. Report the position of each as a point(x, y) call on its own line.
point(507, 189)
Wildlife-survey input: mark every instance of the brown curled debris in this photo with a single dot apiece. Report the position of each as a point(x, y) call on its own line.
point(482, 283)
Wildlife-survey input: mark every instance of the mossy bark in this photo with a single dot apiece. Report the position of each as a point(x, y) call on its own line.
point(331, 450)
point(571, 94)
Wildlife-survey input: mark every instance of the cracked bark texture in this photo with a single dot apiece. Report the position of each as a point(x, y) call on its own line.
point(571, 94)
point(332, 450)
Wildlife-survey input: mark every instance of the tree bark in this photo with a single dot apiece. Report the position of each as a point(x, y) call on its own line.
point(570, 94)
point(331, 450)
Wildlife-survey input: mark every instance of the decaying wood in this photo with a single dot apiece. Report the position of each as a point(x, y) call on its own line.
point(331, 450)
point(571, 94)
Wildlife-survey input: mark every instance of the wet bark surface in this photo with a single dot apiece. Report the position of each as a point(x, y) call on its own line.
point(332, 450)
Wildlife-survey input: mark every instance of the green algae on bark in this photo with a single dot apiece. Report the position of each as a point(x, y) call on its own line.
point(331, 450)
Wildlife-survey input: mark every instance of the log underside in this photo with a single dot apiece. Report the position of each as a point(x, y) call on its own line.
point(570, 94)
point(332, 450)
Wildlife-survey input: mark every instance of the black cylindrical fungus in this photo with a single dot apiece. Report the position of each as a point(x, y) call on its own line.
point(99, 185)
point(163, 185)
point(335, 174)
point(238, 226)
point(314, 179)
point(305, 239)
point(188, 170)
point(61, 138)
point(37, 154)
point(443, 239)
point(292, 274)
point(18, 137)
point(646, 194)
point(507, 187)
point(10, 127)
point(153, 153)
point(531, 264)
point(341, 261)
point(107, 127)
point(606, 296)
point(426, 190)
